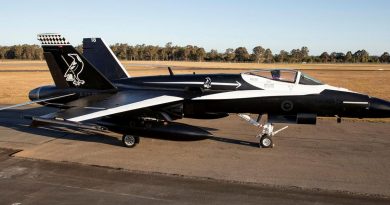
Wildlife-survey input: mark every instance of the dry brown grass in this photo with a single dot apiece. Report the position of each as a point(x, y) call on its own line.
point(22, 65)
point(14, 86)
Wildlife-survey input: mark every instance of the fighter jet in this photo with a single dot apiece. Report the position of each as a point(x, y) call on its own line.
point(94, 91)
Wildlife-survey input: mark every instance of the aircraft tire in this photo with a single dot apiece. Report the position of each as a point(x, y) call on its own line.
point(130, 141)
point(266, 142)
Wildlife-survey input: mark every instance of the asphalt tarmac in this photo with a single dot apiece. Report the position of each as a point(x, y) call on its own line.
point(26, 181)
point(330, 163)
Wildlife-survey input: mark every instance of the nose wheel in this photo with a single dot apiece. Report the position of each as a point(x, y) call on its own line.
point(267, 132)
point(266, 142)
point(266, 135)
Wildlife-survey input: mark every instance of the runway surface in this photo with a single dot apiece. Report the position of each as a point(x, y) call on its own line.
point(25, 181)
point(329, 163)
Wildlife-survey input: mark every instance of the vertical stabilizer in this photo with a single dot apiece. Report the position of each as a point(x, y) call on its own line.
point(68, 67)
point(101, 56)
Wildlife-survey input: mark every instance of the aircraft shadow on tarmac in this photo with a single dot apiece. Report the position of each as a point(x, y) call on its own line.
point(235, 141)
point(14, 119)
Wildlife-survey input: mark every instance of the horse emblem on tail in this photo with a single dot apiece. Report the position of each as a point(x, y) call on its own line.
point(74, 70)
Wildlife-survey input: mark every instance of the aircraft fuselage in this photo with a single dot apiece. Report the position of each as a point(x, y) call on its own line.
point(241, 93)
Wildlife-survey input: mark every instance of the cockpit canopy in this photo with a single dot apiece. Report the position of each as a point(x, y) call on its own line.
point(285, 75)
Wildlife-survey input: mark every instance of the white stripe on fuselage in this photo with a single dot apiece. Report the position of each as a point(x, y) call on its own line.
point(240, 94)
point(297, 90)
point(132, 106)
point(195, 83)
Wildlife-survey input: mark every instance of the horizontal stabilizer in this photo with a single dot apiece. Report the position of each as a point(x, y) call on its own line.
point(43, 121)
point(36, 101)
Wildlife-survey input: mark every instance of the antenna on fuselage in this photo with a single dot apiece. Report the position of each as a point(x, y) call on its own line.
point(170, 71)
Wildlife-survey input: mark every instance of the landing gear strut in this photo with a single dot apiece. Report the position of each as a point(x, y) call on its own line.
point(130, 140)
point(267, 132)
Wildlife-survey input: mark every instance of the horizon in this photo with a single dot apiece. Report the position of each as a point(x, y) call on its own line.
point(331, 26)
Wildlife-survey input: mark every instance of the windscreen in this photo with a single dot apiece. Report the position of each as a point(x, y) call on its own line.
point(288, 76)
point(307, 80)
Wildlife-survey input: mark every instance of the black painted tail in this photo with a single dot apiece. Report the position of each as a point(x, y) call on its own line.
point(96, 51)
point(68, 67)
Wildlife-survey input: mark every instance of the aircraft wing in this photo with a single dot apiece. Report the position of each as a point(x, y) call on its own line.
point(93, 107)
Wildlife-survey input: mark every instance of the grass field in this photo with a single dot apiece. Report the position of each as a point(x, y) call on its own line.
point(17, 78)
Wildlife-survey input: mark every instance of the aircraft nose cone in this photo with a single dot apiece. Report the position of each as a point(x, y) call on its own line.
point(379, 107)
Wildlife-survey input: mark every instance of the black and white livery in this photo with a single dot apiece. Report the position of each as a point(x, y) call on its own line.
point(94, 91)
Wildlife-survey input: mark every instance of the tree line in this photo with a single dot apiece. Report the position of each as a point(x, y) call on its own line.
point(172, 52)
point(21, 52)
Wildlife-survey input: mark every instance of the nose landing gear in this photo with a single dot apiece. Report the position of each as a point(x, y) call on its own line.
point(267, 132)
point(266, 141)
point(266, 135)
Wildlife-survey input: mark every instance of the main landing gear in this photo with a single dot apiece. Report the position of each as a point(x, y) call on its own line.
point(130, 140)
point(267, 132)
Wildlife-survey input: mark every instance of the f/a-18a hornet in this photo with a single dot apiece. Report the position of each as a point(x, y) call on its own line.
point(94, 91)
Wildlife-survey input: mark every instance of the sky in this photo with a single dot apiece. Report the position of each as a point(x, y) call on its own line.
point(321, 25)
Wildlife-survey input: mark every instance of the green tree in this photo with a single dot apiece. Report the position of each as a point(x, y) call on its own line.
point(191, 52)
point(38, 53)
point(2, 52)
point(162, 53)
point(18, 51)
point(282, 57)
point(324, 57)
point(304, 54)
point(170, 50)
point(340, 57)
point(385, 58)
point(258, 52)
point(348, 57)
point(121, 51)
point(241, 54)
point(374, 59)
point(365, 56)
point(141, 52)
point(295, 56)
point(361, 56)
point(213, 55)
point(10, 53)
point(269, 58)
point(131, 53)
point(333, 57)
point(180, 53)
point(201, 54)
point(229, 54)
